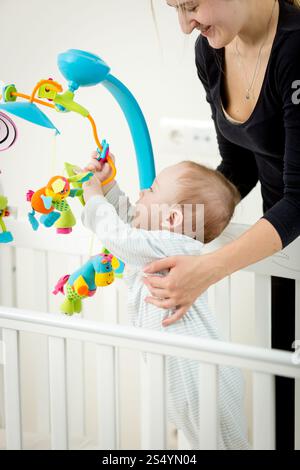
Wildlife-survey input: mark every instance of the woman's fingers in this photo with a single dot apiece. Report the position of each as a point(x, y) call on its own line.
point(166, 303)
point(177, 315)
point(160, 265)
point(155, 282)
point(158, 293)
point(188, 277)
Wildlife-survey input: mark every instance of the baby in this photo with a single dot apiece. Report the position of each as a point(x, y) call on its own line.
point(187, 205)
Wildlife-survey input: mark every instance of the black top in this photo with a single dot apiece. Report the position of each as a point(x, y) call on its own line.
point(266, 147)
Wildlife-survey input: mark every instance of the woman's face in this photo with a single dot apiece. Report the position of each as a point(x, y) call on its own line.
point(224, 17)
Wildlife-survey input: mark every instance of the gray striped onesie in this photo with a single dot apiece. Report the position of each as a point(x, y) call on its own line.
point(109, 218)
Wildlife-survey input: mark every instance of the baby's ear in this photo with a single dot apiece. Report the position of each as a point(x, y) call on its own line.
point(174, 219)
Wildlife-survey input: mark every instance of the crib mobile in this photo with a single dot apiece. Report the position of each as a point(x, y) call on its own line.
point(8, 136)
point(80, 69)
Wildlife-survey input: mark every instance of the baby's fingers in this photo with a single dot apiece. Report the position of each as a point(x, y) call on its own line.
point(95, 155)
point(95, 166)
point(91, 167)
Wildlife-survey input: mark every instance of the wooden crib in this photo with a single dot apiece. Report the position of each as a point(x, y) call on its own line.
point(79, 382)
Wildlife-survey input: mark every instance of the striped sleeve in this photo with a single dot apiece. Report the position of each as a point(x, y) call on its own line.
point(121, 203)
point(133, 246)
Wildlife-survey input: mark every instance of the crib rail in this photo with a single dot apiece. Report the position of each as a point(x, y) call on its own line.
point(264, 362)
point(50, 255)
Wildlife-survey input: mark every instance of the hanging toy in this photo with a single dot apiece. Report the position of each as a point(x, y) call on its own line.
point(73, 170)
point(51, 202)
point(8, 132)
point(99, 271)
point(104, 152)
point(5, 236)
point(8, 136)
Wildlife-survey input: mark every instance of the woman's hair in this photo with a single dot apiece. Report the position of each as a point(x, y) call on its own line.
point(200, 184)
point(294, 2)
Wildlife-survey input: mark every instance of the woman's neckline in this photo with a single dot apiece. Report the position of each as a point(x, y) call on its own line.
point(229, 119)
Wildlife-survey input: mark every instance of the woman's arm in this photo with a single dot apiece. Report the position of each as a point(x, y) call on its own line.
point(258, 242)
point(285, 214)
point(190, 276)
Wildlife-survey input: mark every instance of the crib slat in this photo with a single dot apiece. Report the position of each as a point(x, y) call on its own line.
point(32, 293)
point(107, 397)
point(223, 306)
point(75, 388)
point(153, 402)
point(208, 410)
point(263, 411)
point(12, 394)
point(58, 396)
point(7, 276)
point(31, 279)
point(263, 310)
point(297, 381)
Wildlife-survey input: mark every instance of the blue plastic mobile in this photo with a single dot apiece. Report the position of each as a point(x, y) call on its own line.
point(83, 69)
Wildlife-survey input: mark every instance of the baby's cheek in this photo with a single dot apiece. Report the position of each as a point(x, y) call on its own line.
point(141, 218)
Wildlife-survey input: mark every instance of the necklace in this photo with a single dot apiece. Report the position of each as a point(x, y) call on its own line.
point(258, 58)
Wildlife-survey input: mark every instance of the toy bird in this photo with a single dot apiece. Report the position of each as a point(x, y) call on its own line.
point(51, 202)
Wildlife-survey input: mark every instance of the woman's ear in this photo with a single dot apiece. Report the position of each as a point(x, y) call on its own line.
point(173, 220)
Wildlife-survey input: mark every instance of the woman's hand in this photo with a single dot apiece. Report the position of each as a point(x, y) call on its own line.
point(101, 170)
point(188, 278)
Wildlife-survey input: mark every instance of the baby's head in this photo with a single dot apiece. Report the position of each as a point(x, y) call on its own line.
point(187, 198)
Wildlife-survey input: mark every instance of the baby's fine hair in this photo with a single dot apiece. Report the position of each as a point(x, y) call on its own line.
point(200, 184)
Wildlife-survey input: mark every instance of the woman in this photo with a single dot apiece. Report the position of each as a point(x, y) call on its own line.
point(247, 58)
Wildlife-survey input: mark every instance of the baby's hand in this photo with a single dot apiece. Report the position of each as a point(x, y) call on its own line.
point(92, 188)
point(101, 170)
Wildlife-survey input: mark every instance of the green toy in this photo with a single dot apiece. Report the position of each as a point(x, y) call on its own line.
point(5, 236)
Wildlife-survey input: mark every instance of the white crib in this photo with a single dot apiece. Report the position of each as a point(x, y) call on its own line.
point(77, 383)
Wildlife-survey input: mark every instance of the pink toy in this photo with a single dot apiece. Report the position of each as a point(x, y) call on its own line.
point(8, 132)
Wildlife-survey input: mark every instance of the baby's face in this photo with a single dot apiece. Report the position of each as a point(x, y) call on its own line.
point(154, 202)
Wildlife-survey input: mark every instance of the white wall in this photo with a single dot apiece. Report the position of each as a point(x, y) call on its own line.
point(161, 75)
